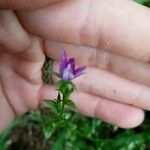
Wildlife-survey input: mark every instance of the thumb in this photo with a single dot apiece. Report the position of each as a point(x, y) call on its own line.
point(25, 4)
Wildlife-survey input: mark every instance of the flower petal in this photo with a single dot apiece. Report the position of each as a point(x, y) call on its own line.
point(68, 73)
point(79, 71)
point(64, 55)
point(63, 64)
point(71, 61)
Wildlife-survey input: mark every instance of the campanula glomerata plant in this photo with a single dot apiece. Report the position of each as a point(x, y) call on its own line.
point(65, 87)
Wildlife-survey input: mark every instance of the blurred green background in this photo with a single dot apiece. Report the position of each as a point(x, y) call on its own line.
point(83, 133)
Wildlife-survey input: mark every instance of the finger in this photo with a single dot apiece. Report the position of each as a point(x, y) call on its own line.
point(111, 25)
point(14, 39)
point(125, 67)
point(125, 116)
point(105, 84)
point(12, 35)
point(25, 4)
point(21, 93)
point(116, 88)
point(6, 111)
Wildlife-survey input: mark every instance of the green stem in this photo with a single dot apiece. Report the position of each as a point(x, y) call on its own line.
point(63, 104)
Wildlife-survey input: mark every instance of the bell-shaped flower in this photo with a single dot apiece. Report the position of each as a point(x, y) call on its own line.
point(68, 70)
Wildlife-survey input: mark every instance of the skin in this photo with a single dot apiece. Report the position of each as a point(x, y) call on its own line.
point(110, 37)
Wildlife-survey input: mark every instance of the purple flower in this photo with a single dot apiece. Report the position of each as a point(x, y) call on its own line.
point(68, 70)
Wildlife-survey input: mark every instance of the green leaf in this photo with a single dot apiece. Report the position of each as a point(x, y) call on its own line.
point(47, 127)
point(35, 115)
point(48, 70)
point(52, 105)
point(143, 2)
point(7, 131)
point(70, 103)
point(47, 132)
point(59, 142)
point(67, 116)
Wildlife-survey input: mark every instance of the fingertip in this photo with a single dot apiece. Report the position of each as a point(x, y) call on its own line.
point(132, 120)
point(121, 115)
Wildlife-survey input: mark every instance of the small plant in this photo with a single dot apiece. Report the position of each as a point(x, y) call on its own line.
point(65, 87)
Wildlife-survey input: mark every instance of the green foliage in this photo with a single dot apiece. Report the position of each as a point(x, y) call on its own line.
point(143, 2)
point(48, 67)
point(4, 136)
point(92, 134)
point(80, 133)
point(53, 105)
point(46, 126)
point(70, 103)
point(58, 117)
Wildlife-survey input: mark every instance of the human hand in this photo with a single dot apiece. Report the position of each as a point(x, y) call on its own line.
point(110, 37)
point(100, 97)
